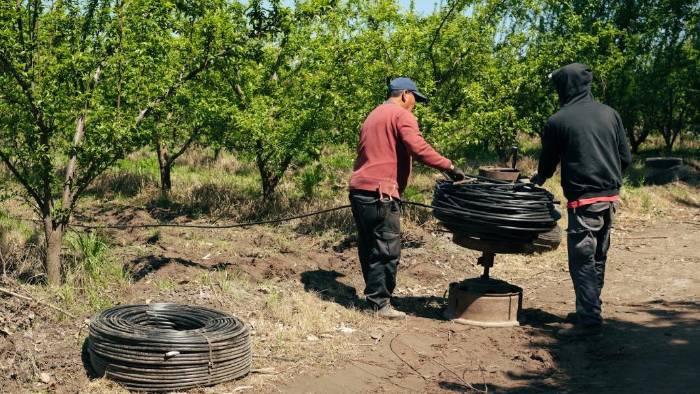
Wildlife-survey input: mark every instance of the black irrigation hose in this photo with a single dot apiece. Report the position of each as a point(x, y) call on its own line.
point(495, 211)
point(190, 225)
point(168, 347)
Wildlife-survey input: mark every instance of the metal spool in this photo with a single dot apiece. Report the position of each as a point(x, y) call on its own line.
point(499, 173)
point(484, 301)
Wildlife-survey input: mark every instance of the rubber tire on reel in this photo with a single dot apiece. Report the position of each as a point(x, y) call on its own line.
point(549, 240)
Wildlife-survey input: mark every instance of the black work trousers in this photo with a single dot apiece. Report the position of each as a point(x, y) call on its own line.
point(378, 243)
point(588, 240)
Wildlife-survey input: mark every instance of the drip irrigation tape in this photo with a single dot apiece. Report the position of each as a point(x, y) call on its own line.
point(168, 347)
point(192, 225)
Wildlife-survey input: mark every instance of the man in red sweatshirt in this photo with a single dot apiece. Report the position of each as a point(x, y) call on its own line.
point(389, 141)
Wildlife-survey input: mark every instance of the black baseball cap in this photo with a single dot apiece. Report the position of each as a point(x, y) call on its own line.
point(404, 83)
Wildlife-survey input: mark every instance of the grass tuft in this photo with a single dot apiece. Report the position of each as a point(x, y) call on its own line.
point(91, 274)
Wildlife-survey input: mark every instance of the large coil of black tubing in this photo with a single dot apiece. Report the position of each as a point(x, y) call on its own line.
point(495, 211)
point(168, 347)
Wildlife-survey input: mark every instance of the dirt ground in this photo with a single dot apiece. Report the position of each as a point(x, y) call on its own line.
point(650, 343)
point(318, 339)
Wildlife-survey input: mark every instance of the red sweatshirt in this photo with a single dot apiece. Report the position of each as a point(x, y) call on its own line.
point(389, 140)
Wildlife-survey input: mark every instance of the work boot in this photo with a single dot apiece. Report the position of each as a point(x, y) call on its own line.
point(580, 331)
point(388, 312)
point(572, 318)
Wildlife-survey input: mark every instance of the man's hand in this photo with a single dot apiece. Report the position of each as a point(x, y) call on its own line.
point(455, 174)
point(537, 179)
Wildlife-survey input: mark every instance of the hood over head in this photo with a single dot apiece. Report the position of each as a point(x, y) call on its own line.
point(573, 83)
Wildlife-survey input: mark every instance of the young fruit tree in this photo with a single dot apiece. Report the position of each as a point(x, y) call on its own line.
point(78, 80)
point(283, 94)
point(195, 115)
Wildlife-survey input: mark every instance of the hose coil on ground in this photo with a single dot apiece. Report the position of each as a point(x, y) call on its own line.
point(495, 211)
point(167, 347)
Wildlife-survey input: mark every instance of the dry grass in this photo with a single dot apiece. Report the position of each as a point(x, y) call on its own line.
point(21, 249)
point(287, 321)
point(292, 329)
point(122, 184)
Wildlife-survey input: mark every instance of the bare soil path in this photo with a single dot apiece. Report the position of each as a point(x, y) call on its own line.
point(651, 340)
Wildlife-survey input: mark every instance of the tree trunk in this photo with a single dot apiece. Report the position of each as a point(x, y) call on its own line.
point(675, 132)
point(268, 179)
point(267, 183)
point(54, 240)
point(636, 140)
point(666, 132)
point(165, 180)
point(164, 167)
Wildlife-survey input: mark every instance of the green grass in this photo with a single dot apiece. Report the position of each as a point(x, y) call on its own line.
point(164, 284)
point(90, 272)
point(20, 228)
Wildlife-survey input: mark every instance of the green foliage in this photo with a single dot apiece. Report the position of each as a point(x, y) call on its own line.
point(310, 178)
point(643, 54)
point(79, 81)
point(84, 83)
point(90, 271)
point(284, 94)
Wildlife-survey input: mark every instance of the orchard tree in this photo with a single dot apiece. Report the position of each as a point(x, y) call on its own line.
point(641, 52)
point(283, 93)
point(469, 63)
point(78, 79)
point(196, 114)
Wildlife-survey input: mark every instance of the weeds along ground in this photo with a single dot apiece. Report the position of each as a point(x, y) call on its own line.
point(252, 271)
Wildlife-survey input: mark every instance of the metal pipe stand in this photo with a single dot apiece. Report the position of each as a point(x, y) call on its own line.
point(485, 301)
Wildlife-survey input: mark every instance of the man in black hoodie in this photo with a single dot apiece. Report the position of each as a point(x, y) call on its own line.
point(588, 138)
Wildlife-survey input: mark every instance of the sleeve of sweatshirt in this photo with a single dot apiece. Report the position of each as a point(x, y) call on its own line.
point(549, 157)
point(413, 140)
point(623, 147)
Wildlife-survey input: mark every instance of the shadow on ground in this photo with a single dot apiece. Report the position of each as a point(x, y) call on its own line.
point(656, 351)
point(138, 268)
point(429, 307)
point(325, 283)
point(350, 242)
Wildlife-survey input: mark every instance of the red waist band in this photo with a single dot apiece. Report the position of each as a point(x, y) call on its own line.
point(589, 201)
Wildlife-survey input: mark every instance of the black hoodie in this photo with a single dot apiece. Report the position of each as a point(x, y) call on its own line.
point(586, 136)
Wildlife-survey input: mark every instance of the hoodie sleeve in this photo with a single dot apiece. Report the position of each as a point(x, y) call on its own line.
point(412, 139)
point(549, 157)
point(622, 145)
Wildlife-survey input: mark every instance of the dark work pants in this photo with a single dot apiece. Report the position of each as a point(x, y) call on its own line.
point(588, 242)
point(378, 243)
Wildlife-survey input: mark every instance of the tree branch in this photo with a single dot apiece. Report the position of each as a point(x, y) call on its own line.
point(26, 89)
point(77, 138)
point(182, 78)
point(22, 180)
point(20, 25)
point(184, 147)
point(86, 179)
point(436, 35)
